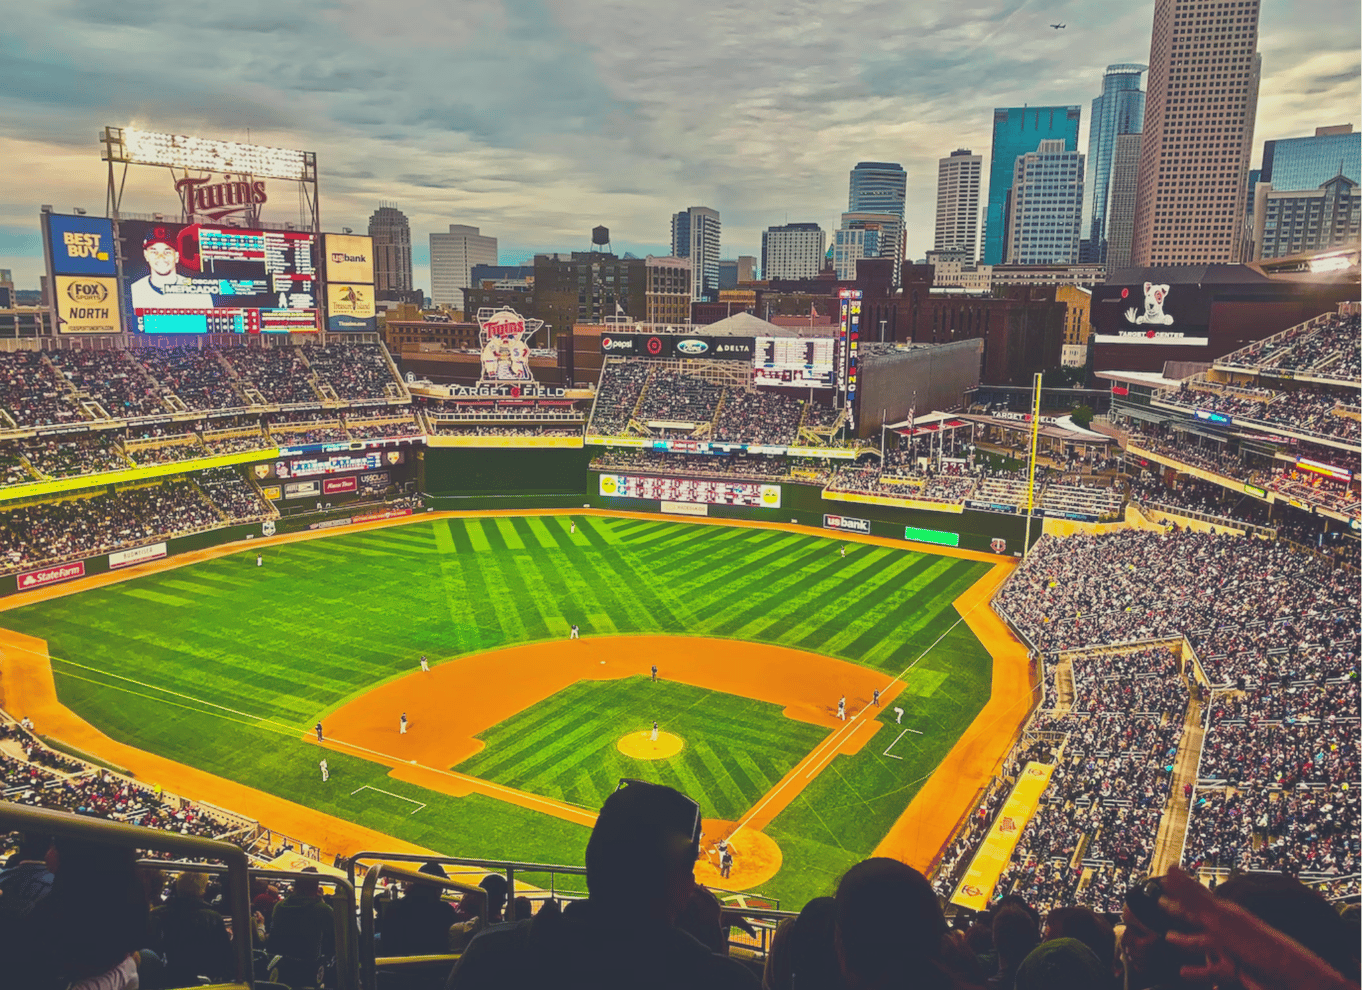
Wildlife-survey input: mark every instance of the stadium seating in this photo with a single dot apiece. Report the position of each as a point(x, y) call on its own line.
point(33, 393)
point(1325, 347)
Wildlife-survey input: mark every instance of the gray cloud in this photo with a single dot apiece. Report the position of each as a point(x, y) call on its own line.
point(537, 119)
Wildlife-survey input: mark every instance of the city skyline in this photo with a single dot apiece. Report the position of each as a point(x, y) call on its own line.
point(591, 135)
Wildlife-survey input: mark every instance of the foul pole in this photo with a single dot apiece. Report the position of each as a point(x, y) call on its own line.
point(1031, 474)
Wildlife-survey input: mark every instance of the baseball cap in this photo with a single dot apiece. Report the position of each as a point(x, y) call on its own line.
point(160, 235)
point(1060, 964)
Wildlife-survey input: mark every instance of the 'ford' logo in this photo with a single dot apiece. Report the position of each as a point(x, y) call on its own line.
point(692, 347)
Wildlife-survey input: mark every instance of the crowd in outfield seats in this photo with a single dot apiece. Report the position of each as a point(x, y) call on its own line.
point(196, 376)
point(378, 431)
point(32, 394)
point(71, 458)
point(1304, 411)
point(750, 416)
point(277, 373)
point(677, 396)
point(1327, 351)
point(111, 378)
point(354, 371)
point(232, 495)
point(621, 385)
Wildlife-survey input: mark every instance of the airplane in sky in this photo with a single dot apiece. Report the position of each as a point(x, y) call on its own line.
point(1059, 27)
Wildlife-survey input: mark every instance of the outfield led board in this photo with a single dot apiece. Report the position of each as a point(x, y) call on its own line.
point(691, 490)
point(195, 278)
point(803, 362)
point(937, 536)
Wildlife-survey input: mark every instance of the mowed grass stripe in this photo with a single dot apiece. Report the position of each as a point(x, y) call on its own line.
point(782, 589)
point(466, 624)
point(892, 612)
point(912, 620)
point(833, 602)
point(732, 585)
point(841, 626)
point(738, 549)
point(708, 568)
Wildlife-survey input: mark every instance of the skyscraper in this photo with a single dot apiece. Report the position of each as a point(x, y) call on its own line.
point(1045, 206)
point(391, 232)
point(1125, 169)
point(452, 257)
point(878, 187)
point(695, 235)
point(1017, 130)
point(1296, 164)
point(1119, 110)
point(957, 202)
point(867, 235)
point(1204, 69)
point(794, 250)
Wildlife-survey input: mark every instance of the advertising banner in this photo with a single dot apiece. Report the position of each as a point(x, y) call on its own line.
point(87, 304)
point(1151, 313)
point(305, 466)
point(685, 508)
point(50, 575)
point(678, 346)
point(302, 489)
point(273, 492)
point(338, 486)
point(976, 889)
point(692, 490)
point(351, 309)
point(848, 524)
point(802, 362)
point(81, 245)
point(940, 537)
point(349, 258)
point(126, 558)
point(196, 278)
point(504, 336)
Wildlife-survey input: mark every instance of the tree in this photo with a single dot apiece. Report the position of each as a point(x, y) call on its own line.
point(1082, 416)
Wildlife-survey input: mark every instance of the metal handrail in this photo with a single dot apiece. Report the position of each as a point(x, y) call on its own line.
point(369, 963)
point(347, 961)
point(508, 867)
point(43, 821)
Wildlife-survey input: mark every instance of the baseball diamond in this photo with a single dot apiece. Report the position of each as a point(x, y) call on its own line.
point(223, 666)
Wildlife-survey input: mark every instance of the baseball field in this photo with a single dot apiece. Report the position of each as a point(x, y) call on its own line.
point(517, 733)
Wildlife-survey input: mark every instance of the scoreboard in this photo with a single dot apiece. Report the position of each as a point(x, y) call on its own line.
point(801, 362)
point(692, 490)
point(196, 278)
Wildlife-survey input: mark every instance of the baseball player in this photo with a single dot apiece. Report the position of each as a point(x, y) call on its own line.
point(898, 716)
point(402, 725)
point(163, 286)
point(319, 731)
point(326, 772)
point(844, 551)
point(842, 708)
point(259, 560)
point(572, 526)
point(574, 633)
point(725, 862)
point(653, 737)
point(425, 665)
point(876, 700)
point(654, 673)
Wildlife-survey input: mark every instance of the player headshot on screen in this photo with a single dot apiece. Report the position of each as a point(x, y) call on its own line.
point(163, 287)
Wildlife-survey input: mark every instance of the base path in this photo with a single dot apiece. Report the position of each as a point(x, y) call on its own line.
point(923, 830)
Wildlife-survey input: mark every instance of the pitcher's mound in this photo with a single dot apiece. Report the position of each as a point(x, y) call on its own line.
point(640, 745)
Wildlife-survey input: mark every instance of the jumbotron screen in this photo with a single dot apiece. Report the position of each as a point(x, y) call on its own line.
point(805, 362)
point(195, 278)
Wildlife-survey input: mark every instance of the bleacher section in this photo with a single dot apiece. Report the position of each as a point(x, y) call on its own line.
point(1325, 348)
point(1082, 500)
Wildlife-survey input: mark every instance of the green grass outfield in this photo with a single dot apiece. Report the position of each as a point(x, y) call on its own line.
point(274, 648)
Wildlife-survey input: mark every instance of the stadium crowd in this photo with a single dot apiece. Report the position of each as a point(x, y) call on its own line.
point(112, 379)
point(1305, 411)
point(1328, 350)
point(750, 416)
point(353, 371)
point(277, 373)
point(33, 394)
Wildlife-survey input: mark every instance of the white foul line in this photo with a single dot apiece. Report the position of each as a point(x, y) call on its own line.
point(892, 756)
point(367, 787)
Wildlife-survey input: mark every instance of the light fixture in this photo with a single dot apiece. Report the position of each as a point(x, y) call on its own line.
point(133, 146)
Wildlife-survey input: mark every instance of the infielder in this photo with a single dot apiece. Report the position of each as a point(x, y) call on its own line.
point(326, 772)
point(898, 716)
point(574, 633)
point(842, 708)
point(653, 737)
point(425, 665)
point(654, 673)
point(876, 700)
point(402, 725)
point(319, 731)
point(725, 862)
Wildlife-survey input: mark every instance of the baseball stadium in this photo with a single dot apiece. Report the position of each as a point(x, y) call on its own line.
point(294, 604)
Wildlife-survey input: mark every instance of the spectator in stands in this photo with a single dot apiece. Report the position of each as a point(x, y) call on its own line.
point(264, 896)
point(1062, 964)
point(890, 930)
point(26, 879)
point(640, 863)
point(302, 932)
point(190, 936)
point(85, 935)
point(1014, 936)
point(809, 951)
point(1088, 927)
point(418, 923)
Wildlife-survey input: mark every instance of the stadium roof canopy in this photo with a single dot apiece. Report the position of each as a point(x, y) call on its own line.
point(747, 325)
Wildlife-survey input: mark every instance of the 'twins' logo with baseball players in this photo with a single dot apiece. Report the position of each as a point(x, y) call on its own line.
point(505, 337)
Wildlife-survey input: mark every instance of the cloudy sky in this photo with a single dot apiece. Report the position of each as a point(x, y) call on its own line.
point(537, 119)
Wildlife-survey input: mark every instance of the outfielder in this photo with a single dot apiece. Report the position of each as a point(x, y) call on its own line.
point(425, 665)
point(572, 526)
point(844, 551)
point(402, 725)
point(326, 772)
point(259, 560)
point(898, 716)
